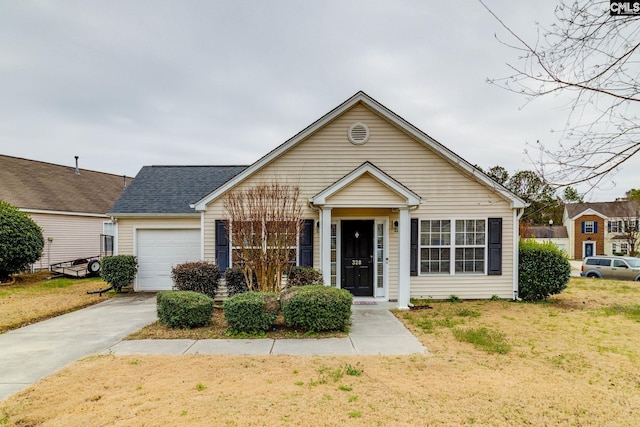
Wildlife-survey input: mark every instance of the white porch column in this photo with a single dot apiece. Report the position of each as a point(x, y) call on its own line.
point(325, 245)
point(404, 258)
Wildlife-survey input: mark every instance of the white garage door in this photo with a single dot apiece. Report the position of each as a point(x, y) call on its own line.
point(158, 251)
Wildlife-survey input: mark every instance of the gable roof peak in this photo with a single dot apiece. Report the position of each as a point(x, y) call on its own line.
point(452, 158)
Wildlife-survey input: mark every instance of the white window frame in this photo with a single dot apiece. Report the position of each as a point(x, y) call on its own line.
point(453, 246)
point(233, 247)
point(589, 227)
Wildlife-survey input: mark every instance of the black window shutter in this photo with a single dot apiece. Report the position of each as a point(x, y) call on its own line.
point(414, 248)
point(222, 245)
point(595, 226)
point(306, 243)
point(583, 227)
point(495, 247)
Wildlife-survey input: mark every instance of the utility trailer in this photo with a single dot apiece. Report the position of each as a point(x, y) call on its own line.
point(77, 268)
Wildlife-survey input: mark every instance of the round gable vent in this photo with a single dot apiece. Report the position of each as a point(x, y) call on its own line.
point(358, 133)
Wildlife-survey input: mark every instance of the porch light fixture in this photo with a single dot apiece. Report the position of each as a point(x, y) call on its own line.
point(357, 235)
point(395, 226)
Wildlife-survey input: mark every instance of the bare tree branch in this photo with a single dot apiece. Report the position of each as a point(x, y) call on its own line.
point(594, 58)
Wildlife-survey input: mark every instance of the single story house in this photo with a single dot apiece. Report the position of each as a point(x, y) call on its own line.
point(557, 234)
point(68, 203)
point(600, 228)
point(390, 213)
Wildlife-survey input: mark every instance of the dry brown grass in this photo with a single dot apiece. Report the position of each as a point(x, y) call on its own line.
point(571, 362)
point(31, 298)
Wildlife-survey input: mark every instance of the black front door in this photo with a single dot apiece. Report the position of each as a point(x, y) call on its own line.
point(357, 257)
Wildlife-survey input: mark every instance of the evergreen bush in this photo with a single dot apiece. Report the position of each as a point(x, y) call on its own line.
point(304, 276)
point(197, 276)
point(235, 281)
point(21, 240)
point(118, 270)
point(251, 312)
point(184, 309)
point(543, 270)
point(317, 308)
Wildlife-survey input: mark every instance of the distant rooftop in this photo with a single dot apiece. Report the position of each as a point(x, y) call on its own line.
point(31, 184)
point(609, 209)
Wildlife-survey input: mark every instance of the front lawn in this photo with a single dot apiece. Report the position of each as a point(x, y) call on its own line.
point(33, 298)
point(570, 361)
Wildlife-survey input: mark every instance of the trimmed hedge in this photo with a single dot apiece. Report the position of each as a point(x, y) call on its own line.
point(317, 308)
point(197, 276)
point(304, 276)
point(543, 270)
point(251, 312)
point(184, 309)
point(118, 270)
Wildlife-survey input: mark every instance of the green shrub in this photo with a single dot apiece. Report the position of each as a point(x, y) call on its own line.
point(304, 276)
point(197, 276)
point(543, 270)
point(317, 308)
point(235, 281)
point(21, 240)
point(251, 312)
point(118, 270)
point(184, 309)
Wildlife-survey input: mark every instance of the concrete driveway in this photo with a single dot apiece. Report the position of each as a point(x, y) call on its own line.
point(31, 353)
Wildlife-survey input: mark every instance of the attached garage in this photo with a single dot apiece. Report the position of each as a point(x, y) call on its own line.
point(158, 250)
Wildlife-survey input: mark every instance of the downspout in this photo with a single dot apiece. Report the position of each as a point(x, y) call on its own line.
point(517, 214)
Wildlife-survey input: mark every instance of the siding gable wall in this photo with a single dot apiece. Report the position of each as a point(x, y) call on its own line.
point(326, 156)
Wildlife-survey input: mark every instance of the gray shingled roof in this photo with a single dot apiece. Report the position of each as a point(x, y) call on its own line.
point(608, 209)
point(171, 189)
point(30, 184)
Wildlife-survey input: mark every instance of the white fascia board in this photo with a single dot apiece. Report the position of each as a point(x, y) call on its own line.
point(154, 215)
point(589, 212)
point(66, 213)
point(412, 199)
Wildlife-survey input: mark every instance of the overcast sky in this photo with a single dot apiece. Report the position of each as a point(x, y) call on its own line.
point(123, 84)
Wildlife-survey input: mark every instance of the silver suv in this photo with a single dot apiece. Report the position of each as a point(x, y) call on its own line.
point(611, 267)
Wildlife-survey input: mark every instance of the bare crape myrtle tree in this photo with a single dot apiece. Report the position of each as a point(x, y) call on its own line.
point(264, 224)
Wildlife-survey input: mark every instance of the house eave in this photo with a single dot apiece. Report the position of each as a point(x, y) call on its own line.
point(153, 215)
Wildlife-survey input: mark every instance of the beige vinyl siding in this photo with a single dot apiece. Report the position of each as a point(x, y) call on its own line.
point(365, 190)
point(74, 237)
point(327, 156)
point(126, 227)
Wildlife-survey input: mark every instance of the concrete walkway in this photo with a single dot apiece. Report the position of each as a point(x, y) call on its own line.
point(31, 353)
point(374, 331)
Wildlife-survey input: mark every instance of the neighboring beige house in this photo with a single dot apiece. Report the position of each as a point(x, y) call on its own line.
point(68, 203)
point(389, 212)
point(598, 228)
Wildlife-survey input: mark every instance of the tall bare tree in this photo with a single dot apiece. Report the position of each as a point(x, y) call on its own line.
point(264, 224)
point(594, 58)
